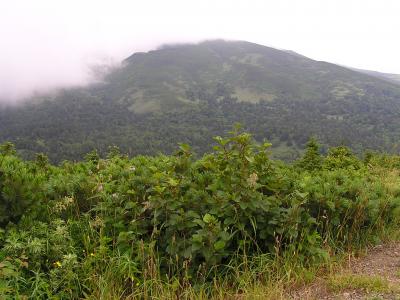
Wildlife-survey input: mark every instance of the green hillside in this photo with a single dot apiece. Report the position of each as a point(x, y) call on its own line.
point(394, 78)
point(177, 76)
point(189, 93)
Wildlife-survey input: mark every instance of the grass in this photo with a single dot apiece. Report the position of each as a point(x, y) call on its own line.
point(360, 282)
point(263, 277)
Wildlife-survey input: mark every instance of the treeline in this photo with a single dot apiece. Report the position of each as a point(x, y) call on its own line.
point(118, 227)
point(75, 124)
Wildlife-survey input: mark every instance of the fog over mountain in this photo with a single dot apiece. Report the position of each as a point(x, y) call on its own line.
point(47, 44)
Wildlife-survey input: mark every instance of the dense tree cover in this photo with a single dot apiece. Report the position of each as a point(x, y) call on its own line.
point(190, 93)
point(116, 226)
point(73, 126)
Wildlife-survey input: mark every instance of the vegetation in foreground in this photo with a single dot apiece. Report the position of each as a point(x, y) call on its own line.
point(231, 224)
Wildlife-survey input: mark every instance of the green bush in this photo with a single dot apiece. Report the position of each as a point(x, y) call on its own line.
point(67, 229)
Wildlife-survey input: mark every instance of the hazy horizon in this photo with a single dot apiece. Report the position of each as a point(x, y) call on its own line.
point(47, 45)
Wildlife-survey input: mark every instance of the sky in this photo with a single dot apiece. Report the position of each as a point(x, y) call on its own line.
point(48, 44)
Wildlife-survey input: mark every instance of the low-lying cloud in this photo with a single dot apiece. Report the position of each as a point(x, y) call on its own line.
point(46, 44)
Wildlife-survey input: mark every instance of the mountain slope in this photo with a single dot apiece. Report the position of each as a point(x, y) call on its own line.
point(189, 93)
point(394, 78)
point(175, 75)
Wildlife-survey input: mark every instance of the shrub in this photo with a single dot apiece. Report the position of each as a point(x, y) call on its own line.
point(124, 222)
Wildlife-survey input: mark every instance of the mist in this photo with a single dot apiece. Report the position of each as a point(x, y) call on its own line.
point(46, 45)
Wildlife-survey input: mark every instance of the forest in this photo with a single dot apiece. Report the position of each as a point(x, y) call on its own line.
point(184, 226)
point(72, 126)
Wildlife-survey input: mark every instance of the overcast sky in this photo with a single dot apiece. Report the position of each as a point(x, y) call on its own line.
point(50, 43)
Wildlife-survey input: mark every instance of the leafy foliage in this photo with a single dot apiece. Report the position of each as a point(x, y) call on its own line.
point(341, 157)
point(122, 222)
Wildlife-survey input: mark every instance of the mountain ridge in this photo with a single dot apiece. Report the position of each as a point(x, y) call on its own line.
point(191, 92)
point(391, 77)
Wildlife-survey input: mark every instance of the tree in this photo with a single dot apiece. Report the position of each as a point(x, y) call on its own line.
point(312, 159)
point(341, 157)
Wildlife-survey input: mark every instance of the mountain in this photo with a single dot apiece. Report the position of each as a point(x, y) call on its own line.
point(394, 78)
point(191, 92)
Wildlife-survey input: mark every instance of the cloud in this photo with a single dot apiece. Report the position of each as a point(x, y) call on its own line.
point(47, 44)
